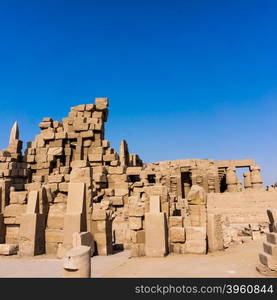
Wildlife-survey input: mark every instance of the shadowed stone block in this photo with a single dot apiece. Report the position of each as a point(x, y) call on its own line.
point(8, 249)
point(83, 239)
point(2, 229)
point(268, 260)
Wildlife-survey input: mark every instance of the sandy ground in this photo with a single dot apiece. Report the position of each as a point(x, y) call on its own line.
point(238, 261)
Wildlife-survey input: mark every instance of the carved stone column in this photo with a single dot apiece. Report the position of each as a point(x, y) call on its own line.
point(231, 180)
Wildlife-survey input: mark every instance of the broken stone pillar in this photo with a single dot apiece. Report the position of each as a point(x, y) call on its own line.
point(212, 178)
point(256, 178)
point(82, 173)
point(77, 263)
point(268, 258)
point(272, 216)
point(196, 229)
point(32, 228)
point(231, 180)
point(83, 239)
point(156, 233)
point(101, 228)
point(215, 233)
point(247, 180)
point(196, 176)
point(137, 234)
point(124, 154)
point(75, 217)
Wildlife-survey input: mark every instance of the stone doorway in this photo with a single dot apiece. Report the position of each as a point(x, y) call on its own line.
point(186, 183)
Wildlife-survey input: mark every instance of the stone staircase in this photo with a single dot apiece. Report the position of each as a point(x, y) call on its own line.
point(268, 258)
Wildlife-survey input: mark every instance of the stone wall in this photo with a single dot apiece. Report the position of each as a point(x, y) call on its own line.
point(243, 207)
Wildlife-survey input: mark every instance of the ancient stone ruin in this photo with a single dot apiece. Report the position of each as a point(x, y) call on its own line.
point(72, 189)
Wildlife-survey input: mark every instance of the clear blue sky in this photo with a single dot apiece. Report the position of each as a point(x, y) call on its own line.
point(186, 79)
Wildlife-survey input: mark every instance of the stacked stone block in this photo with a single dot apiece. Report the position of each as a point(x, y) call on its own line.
point(268, 258)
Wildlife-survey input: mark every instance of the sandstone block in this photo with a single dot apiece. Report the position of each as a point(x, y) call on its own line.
point(79, 164)
point(270, 249)
point(176, 221)
point(271, 238)
point(135, 223)
point(8, 249)
point(83, 239)
point(56, 151)
point(103, 243)
point(32, 235)
point(73, 223)
point(99, 215)
point(63, 187)
point(33, 203)
point(47, 119)
point(77, 263)
point(136, 211)
point(55, 178)
point(195, 246)
point(196, 233)
point(269, 261)
point(14, 210)
point(155, 204)
point(61, 135)
point(55, 222)
point(215, 233)
point(95, 157)
point(54, 236)
point(177, 234)
point(138, 237)
point(101, 103)
point(18, 197)
point(48, 136)
point(155, 235)
point(138, 250)
point(90, 107)
point(117, 201)
point(76, 198)
point(121, 192)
